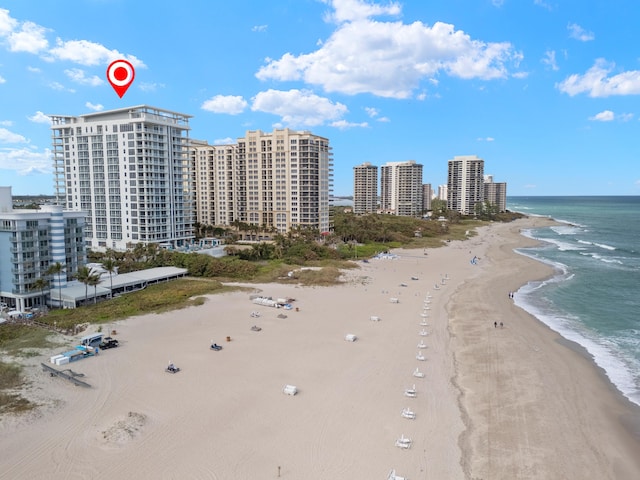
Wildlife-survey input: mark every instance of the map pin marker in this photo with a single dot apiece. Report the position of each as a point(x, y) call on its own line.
point(120, 74)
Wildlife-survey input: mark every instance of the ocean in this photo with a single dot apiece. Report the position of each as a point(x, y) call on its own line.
point(594, 297)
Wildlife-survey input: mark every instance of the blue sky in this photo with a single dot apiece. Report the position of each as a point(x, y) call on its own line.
point(545, 91)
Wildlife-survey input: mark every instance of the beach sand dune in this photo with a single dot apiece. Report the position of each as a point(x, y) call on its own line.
point(490, 404)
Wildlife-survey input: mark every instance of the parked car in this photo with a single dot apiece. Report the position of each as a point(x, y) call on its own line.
point(108, 342)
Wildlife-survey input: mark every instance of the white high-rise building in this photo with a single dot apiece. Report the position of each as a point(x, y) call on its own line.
point(465, 183)
point(365, 188)
point(274, 181)
point(128, 170)
point(401, 188)
point(30, 242)
point(442, 192)
point(495, 193)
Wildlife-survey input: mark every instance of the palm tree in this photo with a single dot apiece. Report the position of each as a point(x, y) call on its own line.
point(83, 275)
point(110, 266)
point(93, 280)
point(41, 284)
point(57, 269)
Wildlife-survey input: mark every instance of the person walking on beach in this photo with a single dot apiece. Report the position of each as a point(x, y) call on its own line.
point(495, 324)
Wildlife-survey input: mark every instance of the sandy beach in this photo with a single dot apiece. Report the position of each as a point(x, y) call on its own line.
point(514, 402)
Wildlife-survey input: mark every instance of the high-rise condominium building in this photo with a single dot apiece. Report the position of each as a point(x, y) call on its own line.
point(427, 195)
point(30, 242)
point(465, 183)
point(495, 193)
point(219, 183)
point(401, 188)
point(275, 181)
point(442, 192)
point(365, 188)
point(128, 170)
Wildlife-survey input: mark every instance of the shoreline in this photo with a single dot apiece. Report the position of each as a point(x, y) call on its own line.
point(515, 402)
point(526, 369)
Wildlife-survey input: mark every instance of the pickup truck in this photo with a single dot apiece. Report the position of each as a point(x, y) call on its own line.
point(108, 342)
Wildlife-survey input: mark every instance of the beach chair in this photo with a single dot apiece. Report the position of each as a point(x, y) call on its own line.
point(417, 373)
point(420, 357)
point(374, 318)
point(423, 333)
point(403, 442)
point(424, 323)
point(290, 389)
point(392, 473)
point(422, 344)
point(410, 392)
point(407, 413)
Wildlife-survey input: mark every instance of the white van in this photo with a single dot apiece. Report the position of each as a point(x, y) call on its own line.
point(92, 340)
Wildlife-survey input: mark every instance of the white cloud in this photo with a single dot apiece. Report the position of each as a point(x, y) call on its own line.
point(350, 10)
point(34, 70)
point(372, 112)
point(150, 86)
point(7, 136)
point(2, 80)
point(497, 3)
point(88, 53)
point(543, 4)
point(25, 161)
point(77, 75)
point(224, 141)
point(579, 33)
point(6, 123)
point(343, 124)
point(259, 28)
point(96, 107)
point(30, 38)
point(596, 83)
point(39, 117)
point(230, 104)
point(298, 107)
point(604, 116)
point(486, 139)
point(7, 24)
point(60, 88)
point(549, 59)
point(383, 119)
point(609, 116)
point(389, 59)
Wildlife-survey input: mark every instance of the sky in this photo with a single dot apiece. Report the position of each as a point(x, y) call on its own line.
point(545, 91)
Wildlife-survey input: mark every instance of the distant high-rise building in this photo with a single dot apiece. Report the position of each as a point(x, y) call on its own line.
point(427, 194)
point(401, 188)
point(219, 183)
point(495, 193)
point(465, 183)
point(365, 188)
point(442, 192)
point(274, 181)
point(128, 170)
point(30, 242)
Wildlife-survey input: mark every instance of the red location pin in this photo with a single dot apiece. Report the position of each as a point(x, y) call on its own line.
point(120, 74)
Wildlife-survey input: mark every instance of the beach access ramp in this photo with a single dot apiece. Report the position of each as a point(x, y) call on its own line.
point(66, 374)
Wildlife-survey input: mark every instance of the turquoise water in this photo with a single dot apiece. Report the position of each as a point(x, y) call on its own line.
point(594, 298)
